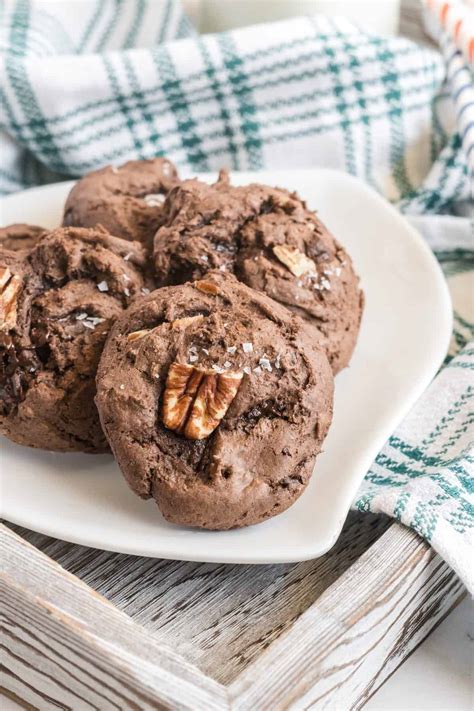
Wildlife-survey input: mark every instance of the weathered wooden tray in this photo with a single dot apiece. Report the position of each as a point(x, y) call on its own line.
point(87, 629)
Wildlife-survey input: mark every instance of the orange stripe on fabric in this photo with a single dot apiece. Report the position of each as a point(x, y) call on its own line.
point(444, 12)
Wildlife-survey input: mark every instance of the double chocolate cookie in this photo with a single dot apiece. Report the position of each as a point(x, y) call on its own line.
point(270, 240)
point(126, 200)
point(57, 303)
point(215, 400)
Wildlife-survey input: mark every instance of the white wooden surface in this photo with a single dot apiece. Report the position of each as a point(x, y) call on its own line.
point(323, 634)
point(208, 611)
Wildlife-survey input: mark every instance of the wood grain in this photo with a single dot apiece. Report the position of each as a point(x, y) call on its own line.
point(65, 646)
point(219, 617)
point(68, 647)
point(343, 648)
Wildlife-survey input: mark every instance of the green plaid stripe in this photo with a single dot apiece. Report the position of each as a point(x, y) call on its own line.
point(100, 8)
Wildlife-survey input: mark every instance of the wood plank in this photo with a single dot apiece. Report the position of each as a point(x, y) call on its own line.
point(67, 647)
point(69, 643)
point(357, 633)
point(219, 617)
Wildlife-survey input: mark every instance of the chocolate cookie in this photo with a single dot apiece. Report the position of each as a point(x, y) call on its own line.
point(215, 400)
point(270, 240)
point(19, 236)
point(57, 303)
point(127, 200)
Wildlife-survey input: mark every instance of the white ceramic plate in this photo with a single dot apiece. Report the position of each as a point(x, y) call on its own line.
point(404, 337)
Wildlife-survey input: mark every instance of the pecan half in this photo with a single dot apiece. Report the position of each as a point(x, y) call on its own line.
point(207, 287)
point(186, 321)
point(10, 285)
point(297, 262)
point(195, 401)
point(136, 335)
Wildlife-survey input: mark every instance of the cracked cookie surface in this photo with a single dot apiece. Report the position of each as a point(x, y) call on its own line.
point(20, 236)
point(57, 304)
point(270, 240)
point(215, 400)
point(127, 200)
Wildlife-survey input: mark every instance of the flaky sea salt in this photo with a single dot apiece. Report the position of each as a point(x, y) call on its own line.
point(265, 363)
point(277, 361)
point(193, 358)
point(88, 325)
point(204, 257)
point(126, 291)
point(81, 316)
point(217, 368)
point(103, 286)
point(247, 347)
point(247, 370)
point(227, 364)
point(122, 386)
point(145, 291)
point(127, 256)
point(257, 370)
point(154, 199)
point(232, 349)
point(204, 350)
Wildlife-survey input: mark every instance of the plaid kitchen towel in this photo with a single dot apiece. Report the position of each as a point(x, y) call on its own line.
point(91, 82)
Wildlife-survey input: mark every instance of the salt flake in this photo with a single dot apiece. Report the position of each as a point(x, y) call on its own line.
point(154, 199)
